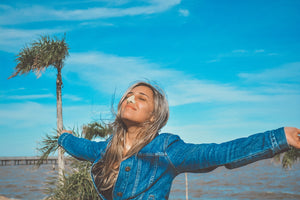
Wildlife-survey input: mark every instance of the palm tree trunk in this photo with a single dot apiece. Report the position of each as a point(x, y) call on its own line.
point(61, 164)
point(186, 187)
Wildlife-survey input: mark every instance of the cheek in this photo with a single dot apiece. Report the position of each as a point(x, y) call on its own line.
point(148, 111)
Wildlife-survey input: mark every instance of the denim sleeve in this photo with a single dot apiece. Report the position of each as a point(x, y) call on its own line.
point(205, 157)
point(81, 148)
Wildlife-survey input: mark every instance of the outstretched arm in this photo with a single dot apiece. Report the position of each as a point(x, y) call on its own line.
point(236, 153)
point(81, 148)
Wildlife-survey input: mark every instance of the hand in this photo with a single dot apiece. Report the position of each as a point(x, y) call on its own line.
point(293, 136)
point(66, 131)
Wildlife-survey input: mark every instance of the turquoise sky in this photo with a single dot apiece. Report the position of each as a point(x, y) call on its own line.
point(229, 68)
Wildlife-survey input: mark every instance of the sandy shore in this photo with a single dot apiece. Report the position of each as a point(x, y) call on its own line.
point(5, 198)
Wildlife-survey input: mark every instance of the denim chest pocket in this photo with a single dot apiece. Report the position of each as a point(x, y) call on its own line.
point(147, 172)
point(147, 167)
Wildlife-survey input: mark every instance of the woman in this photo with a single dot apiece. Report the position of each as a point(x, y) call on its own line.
point(138, 163)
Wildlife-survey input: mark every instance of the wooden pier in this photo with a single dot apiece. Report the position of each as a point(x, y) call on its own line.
point(4, 161)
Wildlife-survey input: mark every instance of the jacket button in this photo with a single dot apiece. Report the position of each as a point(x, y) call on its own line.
point(127, 169)
point(119, 194)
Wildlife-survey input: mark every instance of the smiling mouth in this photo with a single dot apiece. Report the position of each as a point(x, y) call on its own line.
point(129, 106)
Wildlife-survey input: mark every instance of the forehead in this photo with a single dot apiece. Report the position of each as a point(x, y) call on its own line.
point(142, 90)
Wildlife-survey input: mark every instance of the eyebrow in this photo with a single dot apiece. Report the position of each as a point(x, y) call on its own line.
point(139, 93)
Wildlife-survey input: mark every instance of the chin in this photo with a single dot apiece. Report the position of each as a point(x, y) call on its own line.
point(130, 122)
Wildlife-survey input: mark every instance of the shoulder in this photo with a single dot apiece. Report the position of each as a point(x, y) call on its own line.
point(168, 139)
point(160, 143)
point(168, 136)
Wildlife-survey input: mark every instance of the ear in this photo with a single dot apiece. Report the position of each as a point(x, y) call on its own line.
point(152, 118)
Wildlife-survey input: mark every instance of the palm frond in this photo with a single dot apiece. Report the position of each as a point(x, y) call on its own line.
point(76, 183)
point(25, 60)
point(49, 146)
point(40, 55)
point(96, 129)
point(288, 159)
point(277, 158)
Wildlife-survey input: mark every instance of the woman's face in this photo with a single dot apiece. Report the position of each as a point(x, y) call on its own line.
point(138, 106)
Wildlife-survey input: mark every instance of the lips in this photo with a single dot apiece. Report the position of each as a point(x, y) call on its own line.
point(130, 106)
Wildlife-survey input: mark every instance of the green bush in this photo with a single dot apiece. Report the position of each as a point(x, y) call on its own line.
point(76, 183)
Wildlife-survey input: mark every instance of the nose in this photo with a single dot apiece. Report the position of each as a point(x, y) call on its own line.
point(131, 99)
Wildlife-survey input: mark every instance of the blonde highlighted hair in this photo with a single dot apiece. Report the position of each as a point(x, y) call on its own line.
point(105, 172)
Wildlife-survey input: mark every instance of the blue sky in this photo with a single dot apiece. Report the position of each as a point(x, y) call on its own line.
point(229, 68)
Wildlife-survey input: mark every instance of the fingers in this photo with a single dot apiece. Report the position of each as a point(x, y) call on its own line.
point(293, 136)
point(297, 138)
point(66, 131)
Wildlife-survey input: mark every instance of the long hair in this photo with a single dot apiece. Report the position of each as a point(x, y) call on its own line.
point(105, 171)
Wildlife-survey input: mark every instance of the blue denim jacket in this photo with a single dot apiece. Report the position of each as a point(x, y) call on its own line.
point(149, 173)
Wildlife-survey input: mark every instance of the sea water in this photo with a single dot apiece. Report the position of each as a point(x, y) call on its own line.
point(260, 180)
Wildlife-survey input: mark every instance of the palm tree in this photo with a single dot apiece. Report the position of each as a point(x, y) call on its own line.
point(42, 54)
point(77, 183)
point(186, 187)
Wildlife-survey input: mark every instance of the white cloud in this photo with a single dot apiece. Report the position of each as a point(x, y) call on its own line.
point(188, 91)
point(71, 97)
point(26, 123)
point(11, 40)
point(93, 24)
point(37, 13)
point(231, 121)
point(109, 72)
point(213, 61)
point(29, 97)
point(32, 97)
point(24, 115)
point(273, 54)
point(259, 51)
point(286, 73)
point(31, 114)
point(232, 109)
point(239, 51)
point(220, 122)
point(184, 12)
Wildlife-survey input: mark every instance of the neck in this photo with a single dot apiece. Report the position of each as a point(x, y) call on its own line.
point(131, 135)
